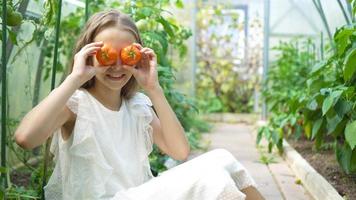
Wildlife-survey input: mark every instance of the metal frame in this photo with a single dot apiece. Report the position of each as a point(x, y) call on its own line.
point(9, 45)
point(269, 33)
point(3, 93)
point(53, 82)
point(267, 8)
point(7, 48)
point(194, 54)
point(292, 7)
point(242, 7)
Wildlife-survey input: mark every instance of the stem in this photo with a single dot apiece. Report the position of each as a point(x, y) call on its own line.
point(40, 62)
point(308, 53)
point(86, 10)
point(53, 82)
point(319, 7)
point(349, 8)
point(322, 45)
point(3, 92)
point(314, 52)
point(344, 12)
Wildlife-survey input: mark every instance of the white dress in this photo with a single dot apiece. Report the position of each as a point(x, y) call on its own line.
point(106, 157)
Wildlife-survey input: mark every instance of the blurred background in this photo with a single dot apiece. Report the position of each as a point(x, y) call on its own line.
point(289, 63)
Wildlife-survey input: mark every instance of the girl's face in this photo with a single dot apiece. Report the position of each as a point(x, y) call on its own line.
point(116, 76)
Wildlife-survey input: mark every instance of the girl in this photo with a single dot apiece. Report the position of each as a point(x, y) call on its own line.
point(103, 129)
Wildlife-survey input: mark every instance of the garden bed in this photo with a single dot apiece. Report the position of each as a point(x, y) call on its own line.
point(325, 163)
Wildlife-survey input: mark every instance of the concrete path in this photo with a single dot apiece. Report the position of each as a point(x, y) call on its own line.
point(276, 181)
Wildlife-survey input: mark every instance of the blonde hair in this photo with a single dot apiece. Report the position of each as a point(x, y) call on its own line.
point(93, 27)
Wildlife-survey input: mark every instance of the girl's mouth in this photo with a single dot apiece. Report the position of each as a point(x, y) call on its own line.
point(116, 77)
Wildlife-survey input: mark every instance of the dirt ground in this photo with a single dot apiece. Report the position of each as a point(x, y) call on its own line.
point(324, 161)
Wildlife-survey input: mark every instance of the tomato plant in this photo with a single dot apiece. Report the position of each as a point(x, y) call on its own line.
point(314, 97)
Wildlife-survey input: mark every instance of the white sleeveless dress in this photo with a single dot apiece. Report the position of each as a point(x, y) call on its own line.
point(106, 157)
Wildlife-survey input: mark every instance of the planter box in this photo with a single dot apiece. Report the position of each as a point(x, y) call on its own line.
point(315, 183)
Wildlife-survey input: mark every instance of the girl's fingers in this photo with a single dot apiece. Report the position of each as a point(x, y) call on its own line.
point(148, 51)
point(94, 44)
point(150, 54)
point(145, 49)
point(139, 46)
point(145, 61)
point(90, 51)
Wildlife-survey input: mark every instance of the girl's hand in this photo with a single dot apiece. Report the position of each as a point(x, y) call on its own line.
point(83, 71)
point(146, 71)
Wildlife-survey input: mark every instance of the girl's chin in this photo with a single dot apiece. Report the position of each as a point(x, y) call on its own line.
point(114, 87)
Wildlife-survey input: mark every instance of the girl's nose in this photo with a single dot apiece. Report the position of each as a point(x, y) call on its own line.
point(117, 65)
point(118, 61)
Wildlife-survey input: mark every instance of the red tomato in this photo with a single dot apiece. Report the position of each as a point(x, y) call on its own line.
point(130, 55)
point(107, 55)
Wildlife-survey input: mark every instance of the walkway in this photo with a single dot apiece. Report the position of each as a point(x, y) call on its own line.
point(276, 181)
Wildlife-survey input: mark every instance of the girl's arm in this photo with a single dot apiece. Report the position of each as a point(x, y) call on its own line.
point(51, 113)
point(168, 133)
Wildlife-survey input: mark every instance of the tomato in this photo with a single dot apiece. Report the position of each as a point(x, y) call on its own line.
point(107, 55)
point(130, 55)
point(14, 19)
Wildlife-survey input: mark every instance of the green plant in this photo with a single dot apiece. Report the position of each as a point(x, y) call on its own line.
point(315, 98)
point(285, 90)
point(267, 159)
point(14, 18)
point(220, 86)
point(159, 30)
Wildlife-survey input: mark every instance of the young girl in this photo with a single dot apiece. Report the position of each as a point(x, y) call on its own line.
point(103, 129)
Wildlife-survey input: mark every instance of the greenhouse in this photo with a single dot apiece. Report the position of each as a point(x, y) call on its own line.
point(178, 99)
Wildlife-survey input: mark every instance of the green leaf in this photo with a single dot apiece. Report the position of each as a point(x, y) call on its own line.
point(333, 123)
point(318, 66)
point(145, 12)
point(350, 134)
point(259, 134)
point(342, 39)
point(331, 100)
point(158, 37)
point(343, 155)
point(270, 146)
point(166, 25)
point(353, 162)
point(342, 107)
point(298, 132)
point(350, 65)
point(328, 102)
point(3, 170)
point(336, 95)
point(13, 36)
point(275, 135)
point(313, 105)
point(340, 128)
point(316, 127)
point(179, 4)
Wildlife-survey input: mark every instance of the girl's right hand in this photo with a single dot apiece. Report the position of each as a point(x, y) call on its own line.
point(83, 71)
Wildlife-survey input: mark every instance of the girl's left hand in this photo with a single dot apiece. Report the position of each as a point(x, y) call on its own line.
point(146, 70)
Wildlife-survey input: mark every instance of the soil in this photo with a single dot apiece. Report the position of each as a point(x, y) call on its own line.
point(324, 161)
point(20, 178)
